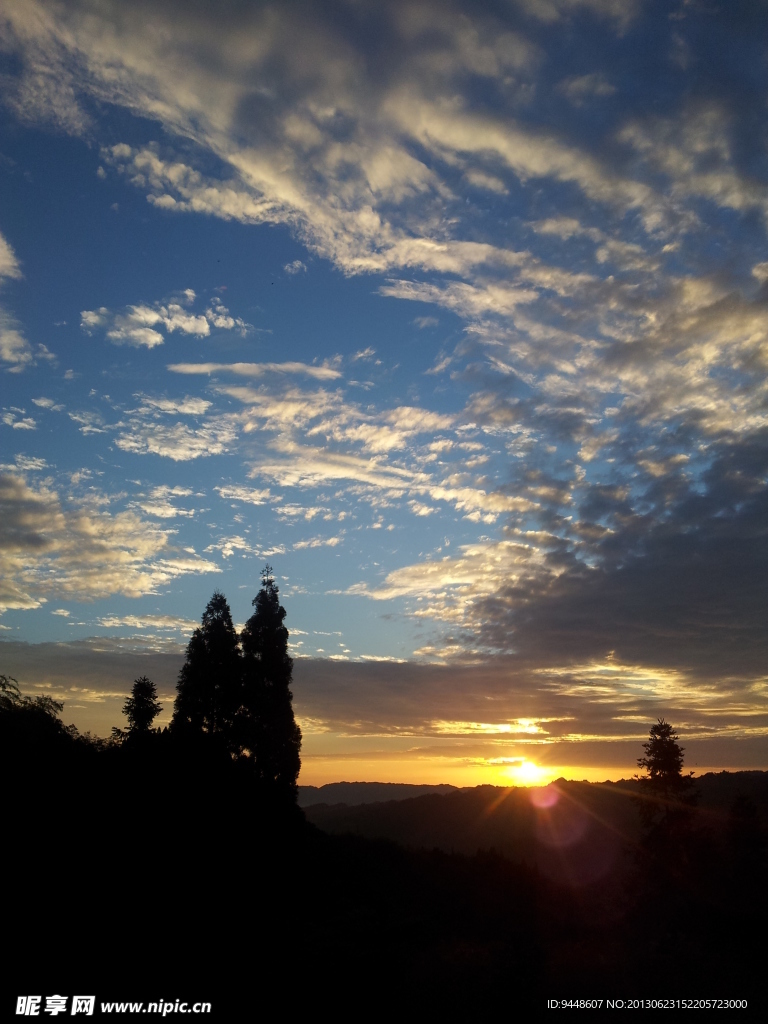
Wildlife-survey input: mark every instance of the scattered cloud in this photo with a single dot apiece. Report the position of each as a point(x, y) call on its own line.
point(609, 371)
point(162, 622)
point(317, 542)
point(52, 548)
point(144, 326)
point(177, 441)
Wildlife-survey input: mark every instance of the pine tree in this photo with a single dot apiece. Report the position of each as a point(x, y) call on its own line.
point(142, 707)
point(207, 693)
point(266, 728)
point(665, 789)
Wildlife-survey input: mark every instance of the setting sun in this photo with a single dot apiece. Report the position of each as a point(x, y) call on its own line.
point(526, 773)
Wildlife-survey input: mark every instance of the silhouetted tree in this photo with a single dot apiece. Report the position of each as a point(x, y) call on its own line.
point(207, 694)
point(663, 756)
point(266, 729)
point(669, 847)
point(142, 707)
point(27, 722)
point(664, 787)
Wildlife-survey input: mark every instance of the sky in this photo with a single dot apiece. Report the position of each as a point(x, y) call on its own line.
point(454, 314)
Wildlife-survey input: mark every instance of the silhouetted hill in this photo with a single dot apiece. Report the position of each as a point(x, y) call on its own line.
point(161, 867)
point(355, 793)
point(592, 820)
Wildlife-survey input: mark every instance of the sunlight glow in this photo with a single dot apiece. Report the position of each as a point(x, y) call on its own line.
point(526, 726)
point(526, 773)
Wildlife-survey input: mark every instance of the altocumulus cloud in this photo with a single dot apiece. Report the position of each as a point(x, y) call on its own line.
point(49, 547)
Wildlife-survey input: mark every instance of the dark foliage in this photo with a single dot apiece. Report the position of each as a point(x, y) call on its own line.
point(265, 728)
point(142, 707)
point(665, 790)
point(235, 692)
point(208, 689)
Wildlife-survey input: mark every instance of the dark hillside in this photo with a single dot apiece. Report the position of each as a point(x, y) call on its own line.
point(509, 822)
point(354, 793)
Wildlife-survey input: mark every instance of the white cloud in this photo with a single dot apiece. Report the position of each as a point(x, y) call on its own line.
point(218, 316)
point(9, 264)
point(446, 589)
point(89, 422)
point(50, 548)
point(178, 441)
point(236, 545)
point(187, 406)
point(317, 542)
point(256, 369)
point(250, 495)
point(47, 403)
point(162, 622)
point(158, 502)
point(142, 326)
point(296, 267)
point(28, 463)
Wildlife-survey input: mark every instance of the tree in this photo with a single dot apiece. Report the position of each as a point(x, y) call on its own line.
point(142, 707)
point(266, 728)
point(665, 790)
point(207, 693)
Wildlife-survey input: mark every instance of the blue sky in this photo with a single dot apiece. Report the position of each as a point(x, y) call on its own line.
point(453, 314)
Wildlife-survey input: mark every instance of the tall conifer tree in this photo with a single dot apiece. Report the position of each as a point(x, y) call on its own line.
point(208, 689)
point(266, 728)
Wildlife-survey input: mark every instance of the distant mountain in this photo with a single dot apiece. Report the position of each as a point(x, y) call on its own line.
point(585, 826)
point(353, 794)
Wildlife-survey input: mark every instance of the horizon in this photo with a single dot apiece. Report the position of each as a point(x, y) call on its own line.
point(454, 314)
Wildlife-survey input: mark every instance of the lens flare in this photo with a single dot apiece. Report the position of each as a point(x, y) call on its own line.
point(544, 797)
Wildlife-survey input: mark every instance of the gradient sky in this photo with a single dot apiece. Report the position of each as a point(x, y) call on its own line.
point(455, 314)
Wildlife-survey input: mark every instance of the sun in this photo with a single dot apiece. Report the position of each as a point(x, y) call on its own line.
point(526, 773)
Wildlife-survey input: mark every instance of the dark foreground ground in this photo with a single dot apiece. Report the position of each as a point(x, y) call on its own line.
point(145, 876)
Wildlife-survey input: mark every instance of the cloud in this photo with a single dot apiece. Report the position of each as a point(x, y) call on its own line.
point(9, 264)
point(317, 542)
point(138, 325)
point(236, 545)
point(162, 622)
point(30, 464)
point(89, 422)
point(611, 370)
point(51, 548)
point(177, 441)
point(256, 369)
point(16, 419)
point(158, 502)
point(15, 350)
point(187, 406)
point(296, 267)
point(250, 495)
point(48, 403)
point(590, 713)
point(578, 89)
